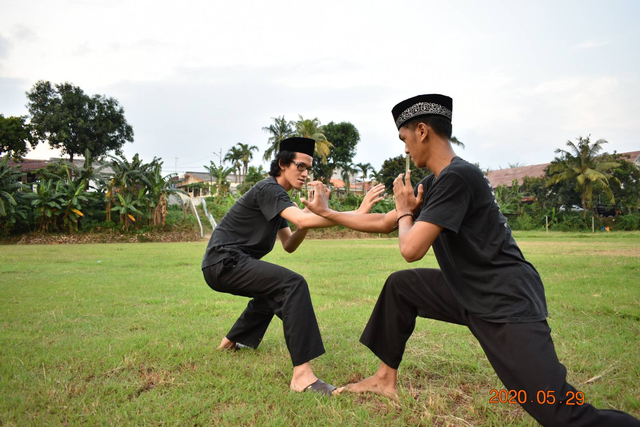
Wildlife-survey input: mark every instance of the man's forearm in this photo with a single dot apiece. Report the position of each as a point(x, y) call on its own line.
point(369, 223)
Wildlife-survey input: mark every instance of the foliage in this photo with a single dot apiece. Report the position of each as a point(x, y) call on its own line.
point(312, 128)
point(344, 137)
point(12, 206)
point(219, 205)
point(583, 165)
point(220, 173)
point(280, 129)
point(254, 175)
point(394, 166)
point(234, 156)
point(67, 118)
point(245, 157)
point(15, 136)
point(626, 185)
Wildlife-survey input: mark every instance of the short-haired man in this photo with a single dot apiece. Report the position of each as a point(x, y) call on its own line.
point(484, 281)
point(248, 232)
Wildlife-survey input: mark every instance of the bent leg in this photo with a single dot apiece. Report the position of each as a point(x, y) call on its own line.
point(524, 357)
point(275, 290)
point(407, 294)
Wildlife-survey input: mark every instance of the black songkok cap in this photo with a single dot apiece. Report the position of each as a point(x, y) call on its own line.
point(422, 105)
point(298, 145)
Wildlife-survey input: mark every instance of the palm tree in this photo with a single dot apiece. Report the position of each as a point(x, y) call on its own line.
point(375, 176)
point(220, 173)
point(234, 155)
point(365, 168)
point(245, 157)
point(347, 171)
point(313, 129)
point(279, 130)
point(456, 141)
point(583, 164)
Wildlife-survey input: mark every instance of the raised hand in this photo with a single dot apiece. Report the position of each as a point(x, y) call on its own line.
point(372, 197)
point(403, 194)
point(319, 196)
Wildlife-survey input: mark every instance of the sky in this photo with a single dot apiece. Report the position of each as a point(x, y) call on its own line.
point(197, 77)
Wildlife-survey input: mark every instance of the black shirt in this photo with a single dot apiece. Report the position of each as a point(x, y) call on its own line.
point(477, 254)
point(251, 225)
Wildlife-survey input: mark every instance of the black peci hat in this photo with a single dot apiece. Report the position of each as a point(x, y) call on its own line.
point(422, 105)
point(298, 145)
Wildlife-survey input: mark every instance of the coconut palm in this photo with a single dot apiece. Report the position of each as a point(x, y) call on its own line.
point(311, 128)
point(364, 168)
point(347, 171)
point(245, 157)
point(234, 156)
point(583, 164)
point(279, 130)
point(456, 141)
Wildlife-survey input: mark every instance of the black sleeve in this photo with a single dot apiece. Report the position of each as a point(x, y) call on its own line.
point(447, 202)
point(272, 199)
point(284, 223)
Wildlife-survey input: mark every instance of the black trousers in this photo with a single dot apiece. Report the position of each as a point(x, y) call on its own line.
point(522, 354)
point(274, 290)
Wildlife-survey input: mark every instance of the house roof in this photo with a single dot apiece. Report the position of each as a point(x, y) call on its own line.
point(506, 176)
point(632, 156)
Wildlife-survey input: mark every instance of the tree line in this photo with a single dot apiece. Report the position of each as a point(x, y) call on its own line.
point(134, 194)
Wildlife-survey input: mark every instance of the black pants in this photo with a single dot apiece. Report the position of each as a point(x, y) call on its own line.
point(522, 354)
point(274, 290)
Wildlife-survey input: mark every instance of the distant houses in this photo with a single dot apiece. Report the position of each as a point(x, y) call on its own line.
point(506, 176)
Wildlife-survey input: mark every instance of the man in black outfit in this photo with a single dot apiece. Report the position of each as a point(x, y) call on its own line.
point(484, 281)
point(248, 232)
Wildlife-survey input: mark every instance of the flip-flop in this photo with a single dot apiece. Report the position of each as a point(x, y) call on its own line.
point(320, 387)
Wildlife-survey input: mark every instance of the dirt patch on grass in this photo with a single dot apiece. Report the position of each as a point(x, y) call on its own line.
point(607, 249)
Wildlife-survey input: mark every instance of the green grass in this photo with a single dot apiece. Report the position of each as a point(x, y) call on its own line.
point(127, 334)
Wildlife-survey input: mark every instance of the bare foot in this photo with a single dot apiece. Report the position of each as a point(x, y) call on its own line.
point(227, 344)
point(373, 384)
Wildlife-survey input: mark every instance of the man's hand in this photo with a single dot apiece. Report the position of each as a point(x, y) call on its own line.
point(406, 201)
point(319, 196)
point(372, 197)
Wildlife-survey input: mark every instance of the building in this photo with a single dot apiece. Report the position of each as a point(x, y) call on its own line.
point(506, 176)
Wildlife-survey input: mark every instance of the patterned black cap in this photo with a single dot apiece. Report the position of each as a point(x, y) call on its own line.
point(298, 145)
point(422, 105)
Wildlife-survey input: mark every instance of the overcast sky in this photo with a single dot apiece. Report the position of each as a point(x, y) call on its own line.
point(196, 77)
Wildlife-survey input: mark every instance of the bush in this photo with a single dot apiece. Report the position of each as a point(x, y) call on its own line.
point(627, 222)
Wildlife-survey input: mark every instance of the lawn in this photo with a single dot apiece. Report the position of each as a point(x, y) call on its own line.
point(126, 334)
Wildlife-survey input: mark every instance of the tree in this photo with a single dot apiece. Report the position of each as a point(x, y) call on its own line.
point(456, 141)
point(72, 121)
point(15, 136)
point(626, 186)
point(245, 157)
point(345, 137)
point(365, 168)
point(279, 130)
point(220, 173)
point(583, 166)
point(347, 171)
point(375, 176)
point(234, 156)
point(312, 128)
point(159, 188)
point(394, 166)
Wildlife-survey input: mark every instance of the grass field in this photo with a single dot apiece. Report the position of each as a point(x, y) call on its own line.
point(126, 334)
